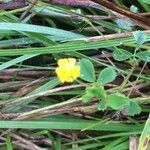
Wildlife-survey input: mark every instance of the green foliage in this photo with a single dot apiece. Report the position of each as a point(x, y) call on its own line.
point(102, 105)
point(9, 143)
point(21, 27)
point(71, 46)
point(116, 144)
point(15, 61)
point(68, 124)
point(121, 55)
point(87, 70)
point(133, 108)
point(144, 55)
point(106, 75)
point(94, 91)
point(140, 38)
point(117, 101)
point(145, 1)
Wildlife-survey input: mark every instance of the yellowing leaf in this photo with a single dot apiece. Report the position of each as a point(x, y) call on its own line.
point(145, 136)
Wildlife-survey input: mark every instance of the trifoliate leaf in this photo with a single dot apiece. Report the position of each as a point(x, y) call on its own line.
point(87, 70)
point(132, 109)
point(121, 55)
point(117, 101)
point(106, 75)
point(145, 55)
point(140, 37)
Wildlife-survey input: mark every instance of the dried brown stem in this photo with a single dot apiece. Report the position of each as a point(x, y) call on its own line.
point(13, 4)
point(137, 18)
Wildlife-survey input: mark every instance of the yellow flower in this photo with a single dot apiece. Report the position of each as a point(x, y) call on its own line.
point(67, 70)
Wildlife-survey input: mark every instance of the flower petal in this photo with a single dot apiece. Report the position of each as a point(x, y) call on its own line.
point(67, 70)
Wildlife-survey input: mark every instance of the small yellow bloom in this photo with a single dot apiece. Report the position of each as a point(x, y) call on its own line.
point(67, 70)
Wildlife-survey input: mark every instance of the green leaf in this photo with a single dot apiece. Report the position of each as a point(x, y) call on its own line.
point(102, 105)
point(9, 143)
point(20, 27)
point(145, 56)
point(67, 47)
point(117, 101)
point(66, 124)
point(87, 70)
point(94, 91)
point(86, 98)
point(16, 60)
point(97, 91)
point(121, 55)
point(145, 1)
point(106, 75)
point(140, 37)
point(133, 109)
